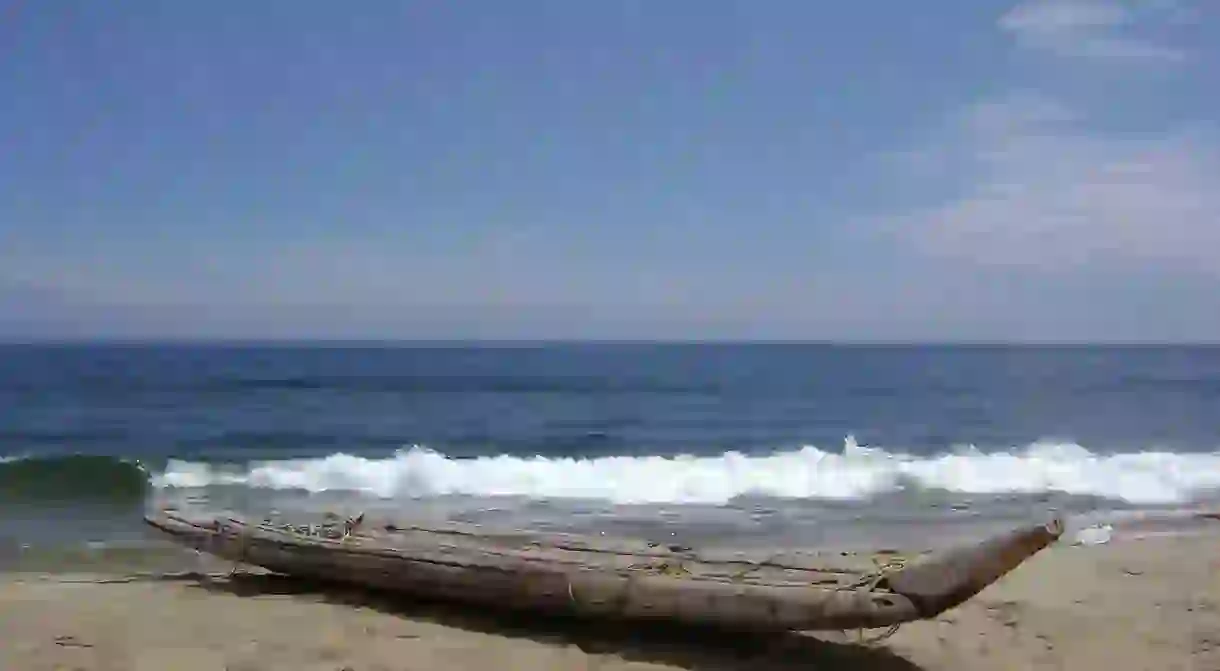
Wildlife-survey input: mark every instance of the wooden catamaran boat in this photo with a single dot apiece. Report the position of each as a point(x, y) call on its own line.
point(619, 578)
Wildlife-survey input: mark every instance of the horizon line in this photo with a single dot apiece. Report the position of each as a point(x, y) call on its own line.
point(536, 342)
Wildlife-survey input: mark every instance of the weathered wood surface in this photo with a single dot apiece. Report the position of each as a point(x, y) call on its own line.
point(624, 578)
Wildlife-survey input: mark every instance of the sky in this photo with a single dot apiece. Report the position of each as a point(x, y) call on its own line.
point(965, 170)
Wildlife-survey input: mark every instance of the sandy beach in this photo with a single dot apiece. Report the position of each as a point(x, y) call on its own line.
point(1133, 604)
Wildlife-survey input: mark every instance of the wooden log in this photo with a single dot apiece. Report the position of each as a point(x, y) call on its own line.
point(616, 579)
point(946, 580)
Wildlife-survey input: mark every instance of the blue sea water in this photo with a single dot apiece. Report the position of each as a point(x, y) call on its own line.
point(808, 442)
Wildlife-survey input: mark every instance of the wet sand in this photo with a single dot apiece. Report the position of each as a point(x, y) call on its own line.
point(1130, 605)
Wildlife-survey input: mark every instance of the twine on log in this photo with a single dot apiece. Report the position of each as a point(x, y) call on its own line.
point(870, 581)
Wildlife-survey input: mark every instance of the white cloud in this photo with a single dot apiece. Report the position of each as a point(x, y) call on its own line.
point(1096, 30)
point(1048, 217)
point(1045, 191)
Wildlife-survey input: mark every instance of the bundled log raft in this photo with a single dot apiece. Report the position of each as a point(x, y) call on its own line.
point(621, 578)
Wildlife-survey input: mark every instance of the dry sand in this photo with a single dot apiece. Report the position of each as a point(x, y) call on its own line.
point(1130, 605)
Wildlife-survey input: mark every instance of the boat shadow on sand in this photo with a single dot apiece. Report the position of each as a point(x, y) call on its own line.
point(683, 646)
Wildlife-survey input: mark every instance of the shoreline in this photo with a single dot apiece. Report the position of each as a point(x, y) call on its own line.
point(1134, 603)
point(142, 549)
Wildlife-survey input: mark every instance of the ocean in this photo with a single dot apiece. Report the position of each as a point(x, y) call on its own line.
point(787, 444)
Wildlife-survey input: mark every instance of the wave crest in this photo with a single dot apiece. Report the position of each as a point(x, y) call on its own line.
point(857, 472)
point(73, 477)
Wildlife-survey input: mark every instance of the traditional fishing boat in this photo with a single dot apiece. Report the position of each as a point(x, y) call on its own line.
point(620, 578)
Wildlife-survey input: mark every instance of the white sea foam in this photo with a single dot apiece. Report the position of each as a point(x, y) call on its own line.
point(1151, 477)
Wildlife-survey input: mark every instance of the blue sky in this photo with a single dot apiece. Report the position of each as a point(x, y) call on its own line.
point(961, 170)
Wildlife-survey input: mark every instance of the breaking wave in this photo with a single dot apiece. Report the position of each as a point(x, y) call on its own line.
point(857, 472)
